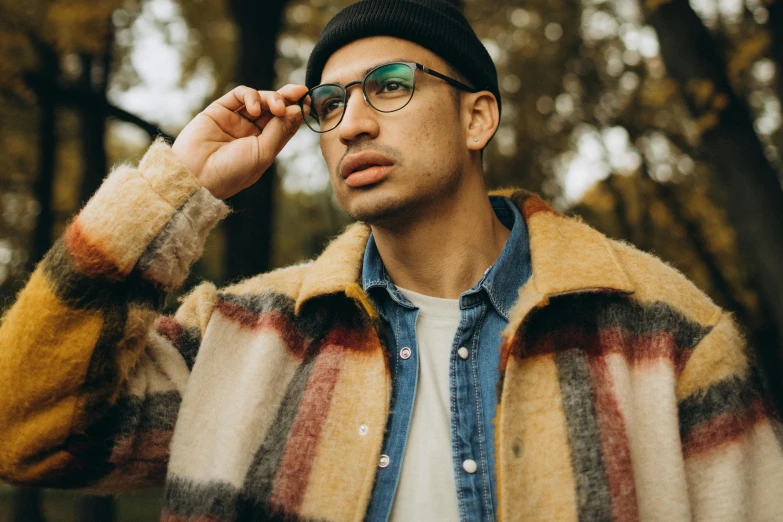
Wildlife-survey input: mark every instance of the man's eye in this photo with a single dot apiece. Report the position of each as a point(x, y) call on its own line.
point(330, 106)
point(392, 86)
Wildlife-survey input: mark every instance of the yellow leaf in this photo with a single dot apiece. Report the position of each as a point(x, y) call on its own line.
point(746, 54)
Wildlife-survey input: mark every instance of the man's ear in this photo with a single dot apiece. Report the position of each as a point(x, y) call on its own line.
point(482, 116)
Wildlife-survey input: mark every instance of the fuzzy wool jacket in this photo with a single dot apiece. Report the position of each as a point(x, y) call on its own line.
point(625, 394)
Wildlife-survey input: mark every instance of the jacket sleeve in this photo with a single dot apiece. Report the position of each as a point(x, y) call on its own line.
point(91, 374)
point(731, 434)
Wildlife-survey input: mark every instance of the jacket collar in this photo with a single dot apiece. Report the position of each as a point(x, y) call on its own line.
point(338, 269)
point(500, 281)
point(567, 256)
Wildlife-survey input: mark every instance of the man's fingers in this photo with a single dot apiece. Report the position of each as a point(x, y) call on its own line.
point(266, 117)
point(252, 103)
point(278, 131)
point(234, 99)
point(246, 112)
point(263, 120)
point(293, 92)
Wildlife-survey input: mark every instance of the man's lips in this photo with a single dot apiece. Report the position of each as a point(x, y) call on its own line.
point(361, 161)
point(368, 176)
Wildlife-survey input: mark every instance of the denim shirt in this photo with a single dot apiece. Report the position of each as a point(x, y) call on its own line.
point(483, 316)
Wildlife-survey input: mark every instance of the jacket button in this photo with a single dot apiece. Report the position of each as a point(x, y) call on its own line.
point(383, 462)
point(405, 353)
point(463, 352)
point(363, 429)
point(470, 466)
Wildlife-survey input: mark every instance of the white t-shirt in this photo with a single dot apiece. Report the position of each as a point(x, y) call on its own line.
point(427, 490)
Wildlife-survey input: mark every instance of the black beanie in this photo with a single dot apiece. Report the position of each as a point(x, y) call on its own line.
point(434, 24)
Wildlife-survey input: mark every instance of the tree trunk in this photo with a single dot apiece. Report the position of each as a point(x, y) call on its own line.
point(775, 24)
point(737, 155)
point(95, 76)
point(96, 509)
point(27, 506)
point(249, 228)
point(47, 139)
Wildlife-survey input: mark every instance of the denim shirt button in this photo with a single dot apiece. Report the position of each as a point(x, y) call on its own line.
point(383, 462)
point(463, 352)
point(405, 353)
point(470, 466)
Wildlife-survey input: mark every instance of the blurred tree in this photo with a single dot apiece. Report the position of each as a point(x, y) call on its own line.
point(48, 34)
point(27, 173)
point(775, 10)
point(725, 129)
point(27, 506)
point(38, 38)
point(94, 80)
point(48, 69)
point(249, 227)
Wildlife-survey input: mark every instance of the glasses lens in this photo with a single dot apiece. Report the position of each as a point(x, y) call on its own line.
point(389, 88)
point(326, 107)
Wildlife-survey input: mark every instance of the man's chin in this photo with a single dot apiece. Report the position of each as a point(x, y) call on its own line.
point(378, 209)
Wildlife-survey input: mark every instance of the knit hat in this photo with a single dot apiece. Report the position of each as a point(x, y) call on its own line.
point(435, 24)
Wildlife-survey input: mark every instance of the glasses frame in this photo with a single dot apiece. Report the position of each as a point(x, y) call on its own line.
point(414, 66)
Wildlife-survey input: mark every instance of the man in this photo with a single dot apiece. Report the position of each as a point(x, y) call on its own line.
point(451, 356)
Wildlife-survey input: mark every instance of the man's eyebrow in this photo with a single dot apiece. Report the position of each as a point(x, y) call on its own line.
point(371, 67)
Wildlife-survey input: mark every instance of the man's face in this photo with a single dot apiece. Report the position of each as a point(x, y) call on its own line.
point(418, 151)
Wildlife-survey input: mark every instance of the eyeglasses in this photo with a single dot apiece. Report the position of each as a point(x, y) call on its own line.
point(386, 88)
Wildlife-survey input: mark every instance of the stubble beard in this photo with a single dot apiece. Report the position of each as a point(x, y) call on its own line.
point(399, 210)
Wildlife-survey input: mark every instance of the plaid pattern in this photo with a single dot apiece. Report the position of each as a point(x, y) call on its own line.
point(625, 394)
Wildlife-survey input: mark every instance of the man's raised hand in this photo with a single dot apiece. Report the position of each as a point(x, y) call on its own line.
point(230, 144)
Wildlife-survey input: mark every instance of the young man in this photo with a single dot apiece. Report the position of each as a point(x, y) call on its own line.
point(451, 356)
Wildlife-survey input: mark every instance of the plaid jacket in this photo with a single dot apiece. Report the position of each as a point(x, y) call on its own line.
point(625, 393)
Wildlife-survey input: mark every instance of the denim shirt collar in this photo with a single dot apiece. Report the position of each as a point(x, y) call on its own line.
point(501, 281)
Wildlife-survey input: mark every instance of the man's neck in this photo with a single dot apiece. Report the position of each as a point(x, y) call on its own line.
point(446, 250)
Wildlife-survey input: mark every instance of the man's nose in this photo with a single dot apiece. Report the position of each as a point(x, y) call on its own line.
point(359, 118)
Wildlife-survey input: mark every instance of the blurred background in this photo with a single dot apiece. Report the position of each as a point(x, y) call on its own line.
point(659, 122)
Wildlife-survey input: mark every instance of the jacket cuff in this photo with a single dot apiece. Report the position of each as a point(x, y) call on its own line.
point(156, 217)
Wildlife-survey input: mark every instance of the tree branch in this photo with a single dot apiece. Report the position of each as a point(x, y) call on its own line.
point(150, 128)
point(81, 97)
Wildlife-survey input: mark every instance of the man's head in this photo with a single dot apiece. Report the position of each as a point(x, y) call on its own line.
point(425, 151)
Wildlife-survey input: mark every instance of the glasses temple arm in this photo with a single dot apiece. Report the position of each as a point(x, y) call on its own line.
point(450, 81)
